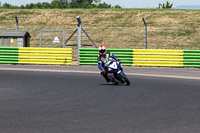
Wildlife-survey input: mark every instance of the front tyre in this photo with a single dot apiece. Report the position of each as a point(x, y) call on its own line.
point(124, 78)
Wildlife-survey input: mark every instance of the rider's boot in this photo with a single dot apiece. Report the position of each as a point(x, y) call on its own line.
point(105, 76)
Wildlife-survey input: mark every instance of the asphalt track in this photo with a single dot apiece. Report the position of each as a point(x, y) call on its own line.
point(34, 99)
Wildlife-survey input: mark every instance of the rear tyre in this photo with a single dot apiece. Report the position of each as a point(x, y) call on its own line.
point(124, 78)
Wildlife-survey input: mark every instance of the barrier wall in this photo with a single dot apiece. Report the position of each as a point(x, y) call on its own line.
point(53, 56)
point(128, 57)
point(89, 56)
point(8, 55)
point(146, 57)
point(191, 58)
point(156, 57)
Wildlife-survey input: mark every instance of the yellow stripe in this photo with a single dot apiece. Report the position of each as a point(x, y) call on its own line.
point(42, 57)
point(157, 62)
point(46, 52)
point(157, 57)
point(159, 65)
point(44, 49)
point(44, 63)
point(38, 60)
point(157, 51)
point(46, 55)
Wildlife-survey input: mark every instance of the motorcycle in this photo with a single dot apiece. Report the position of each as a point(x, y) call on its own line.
point(115, 72)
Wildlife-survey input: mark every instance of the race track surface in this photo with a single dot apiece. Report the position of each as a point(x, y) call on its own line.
point(72, 102)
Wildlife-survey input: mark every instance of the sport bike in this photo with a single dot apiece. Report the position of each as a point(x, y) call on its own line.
point(115, 72)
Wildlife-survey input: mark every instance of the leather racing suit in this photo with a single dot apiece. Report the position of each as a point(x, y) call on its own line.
point(102, 59)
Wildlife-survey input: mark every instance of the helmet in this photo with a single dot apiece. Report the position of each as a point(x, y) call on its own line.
point(102, 49)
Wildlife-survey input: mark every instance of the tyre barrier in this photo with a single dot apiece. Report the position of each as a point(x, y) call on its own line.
point(47, 56)
point(145, 57)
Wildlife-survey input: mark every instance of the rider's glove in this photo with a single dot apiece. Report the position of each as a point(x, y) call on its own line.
point(117, 59)
point(104, 71)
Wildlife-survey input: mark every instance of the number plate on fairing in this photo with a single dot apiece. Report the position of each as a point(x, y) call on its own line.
point(113, 65)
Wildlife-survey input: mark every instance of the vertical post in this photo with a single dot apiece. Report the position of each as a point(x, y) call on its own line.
point(63, 38)
point(79, 34)
point(17, 24)
point(145, 24)
point(40, 38)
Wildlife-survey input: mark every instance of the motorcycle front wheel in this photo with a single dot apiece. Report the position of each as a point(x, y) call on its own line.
point(124, 78)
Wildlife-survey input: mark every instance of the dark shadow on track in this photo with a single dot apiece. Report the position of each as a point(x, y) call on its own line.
point(114, 84)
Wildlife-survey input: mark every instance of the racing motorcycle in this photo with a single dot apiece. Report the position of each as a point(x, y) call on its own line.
point(115, 72)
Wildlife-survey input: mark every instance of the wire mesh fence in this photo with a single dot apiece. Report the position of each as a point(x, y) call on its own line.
point(117, 36)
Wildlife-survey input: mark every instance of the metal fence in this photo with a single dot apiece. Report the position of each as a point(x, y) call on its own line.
point(118, 36)
point(122, 36)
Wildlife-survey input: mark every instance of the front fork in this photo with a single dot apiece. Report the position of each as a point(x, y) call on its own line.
point(117, 75)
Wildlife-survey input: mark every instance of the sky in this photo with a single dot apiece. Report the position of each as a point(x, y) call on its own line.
point(122, 3)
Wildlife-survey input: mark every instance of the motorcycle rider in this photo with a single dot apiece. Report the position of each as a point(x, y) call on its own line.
point(102, 59)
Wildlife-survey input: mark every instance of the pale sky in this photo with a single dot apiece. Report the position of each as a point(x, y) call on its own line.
point(122, 3)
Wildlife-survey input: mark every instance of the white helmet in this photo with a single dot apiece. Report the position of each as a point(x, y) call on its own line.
point(102, 50)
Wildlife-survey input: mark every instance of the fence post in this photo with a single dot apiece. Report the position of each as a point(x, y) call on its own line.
point(64, 39)
point(40, 38)
point(17, 24)
point(79, 33)
point(145, 24)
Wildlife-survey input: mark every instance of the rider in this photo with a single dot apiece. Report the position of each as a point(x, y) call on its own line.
point(102, 59)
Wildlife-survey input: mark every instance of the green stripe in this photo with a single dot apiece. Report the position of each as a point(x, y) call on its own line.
point(188, 54)
point(9, 59)
point(8, 48)
point(89, 52)
point(8, 51)
point(191, 51)
point(9, 62)
point(191, 65)
point(9, 55)
point(191, 58)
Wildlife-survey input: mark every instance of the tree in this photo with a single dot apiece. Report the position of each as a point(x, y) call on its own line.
point(60, 4)
point(104, 5)
point(163, 6)
point(6, 5)
point(117, 6)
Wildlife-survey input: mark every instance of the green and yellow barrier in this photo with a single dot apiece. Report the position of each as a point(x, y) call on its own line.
point(8, 55)
point(191, 58)
point(146, 57)
point(89, 56)
point(156, 57)
point(48, 56)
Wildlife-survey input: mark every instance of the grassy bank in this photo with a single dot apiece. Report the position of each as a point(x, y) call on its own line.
point(115, 28)
point(102, 16)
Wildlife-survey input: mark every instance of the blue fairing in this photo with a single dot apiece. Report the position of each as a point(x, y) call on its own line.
point(113, 70)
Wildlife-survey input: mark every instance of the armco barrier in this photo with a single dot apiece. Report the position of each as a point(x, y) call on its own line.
point(89, 56)
point(191, 58)
point(157, 57)
point(8, 55)
point(54, 56)
point(146, 57)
